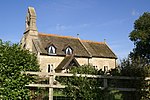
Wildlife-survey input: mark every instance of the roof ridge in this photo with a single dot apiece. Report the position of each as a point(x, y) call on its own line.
point(56, 35)
point(93, 41)
point(85, 47)
point(43, 34)
point(111, 50)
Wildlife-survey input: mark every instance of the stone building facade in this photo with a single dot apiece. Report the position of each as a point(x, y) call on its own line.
point(59, 53)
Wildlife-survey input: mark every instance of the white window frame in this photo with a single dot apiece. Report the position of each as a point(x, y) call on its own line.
point(68, 49)
point(95, 67)
point(106, 68)
point(53, 50)
point(50, 68)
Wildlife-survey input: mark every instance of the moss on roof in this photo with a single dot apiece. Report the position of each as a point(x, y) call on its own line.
point(66, 61)
point(61, 42)
point(83, 48)
point(98, 49)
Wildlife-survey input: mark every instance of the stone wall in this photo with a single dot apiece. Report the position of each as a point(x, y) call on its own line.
point(82, 61)
point(99, 63)
point(44, 60)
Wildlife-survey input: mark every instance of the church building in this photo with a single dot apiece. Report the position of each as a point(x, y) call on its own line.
point(59, 53)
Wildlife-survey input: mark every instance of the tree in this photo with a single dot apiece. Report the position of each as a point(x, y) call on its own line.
point(83, 88)
point(134, 68)
point(13, 60)
point(141, 37)
point(138, 62)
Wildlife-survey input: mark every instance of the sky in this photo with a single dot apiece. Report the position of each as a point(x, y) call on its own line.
point(94, 20)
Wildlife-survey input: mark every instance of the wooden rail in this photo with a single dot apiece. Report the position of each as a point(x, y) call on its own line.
point(104, 77)
point(84, 75)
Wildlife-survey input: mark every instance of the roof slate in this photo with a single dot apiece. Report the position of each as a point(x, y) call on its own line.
point(61, 42)
point(99, 49)
point(81, 48)
point(66, 61)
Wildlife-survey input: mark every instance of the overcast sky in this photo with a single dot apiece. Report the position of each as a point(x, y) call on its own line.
point(94, 20)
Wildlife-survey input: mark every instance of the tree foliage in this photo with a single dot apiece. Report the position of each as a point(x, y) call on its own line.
point(141, 37)
point(80, 87)
point(138, 62)
point(135, 68)
point(13, 60)
point(84, 88)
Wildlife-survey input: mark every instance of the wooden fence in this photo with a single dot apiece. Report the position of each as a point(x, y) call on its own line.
point(104, 77)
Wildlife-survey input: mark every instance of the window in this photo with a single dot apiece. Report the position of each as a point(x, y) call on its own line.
point(52, 50)
point(24, 46)
point(50, 68)
point(95, 67)
point(68, 51)
point(105, 69)
point(67, 70)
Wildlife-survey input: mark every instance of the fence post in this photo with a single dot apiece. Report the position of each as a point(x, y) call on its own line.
point(105, 87)
point(105, 83)
point(51, 80)
point(105, 79)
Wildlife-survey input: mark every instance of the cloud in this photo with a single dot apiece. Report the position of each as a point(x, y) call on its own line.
point(70, 5)
point(60, 27)
point(134, 13)
point(113, 22)
point(84, 25)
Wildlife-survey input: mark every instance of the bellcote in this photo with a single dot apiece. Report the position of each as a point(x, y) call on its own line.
point(31, 20)
point(31, 32)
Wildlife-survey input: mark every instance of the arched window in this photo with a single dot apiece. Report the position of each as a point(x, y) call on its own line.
point(50, 68)
point(69, 51)
point(52, 50)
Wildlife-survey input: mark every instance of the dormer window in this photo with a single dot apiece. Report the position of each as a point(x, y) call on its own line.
point(52, 50)
point(68, 51)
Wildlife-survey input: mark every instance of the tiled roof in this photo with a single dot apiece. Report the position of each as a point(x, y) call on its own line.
point(99, 49)
point(66, 61)
point(60, 42)
point(83, 48)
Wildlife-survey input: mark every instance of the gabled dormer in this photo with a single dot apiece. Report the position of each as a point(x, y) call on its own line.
point(51, 49)
point(68, 51)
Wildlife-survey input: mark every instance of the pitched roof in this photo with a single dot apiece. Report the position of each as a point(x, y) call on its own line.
point(99, 49)
point(83, 48)
point(60, 42)
point(66, 62)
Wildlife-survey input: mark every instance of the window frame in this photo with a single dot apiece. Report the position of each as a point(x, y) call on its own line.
point(53, 49)
point(68, 49)
point(106, 69)
point(50, 68)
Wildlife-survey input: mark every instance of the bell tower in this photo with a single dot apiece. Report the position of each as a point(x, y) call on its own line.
point(30, 30)
point(31, 20)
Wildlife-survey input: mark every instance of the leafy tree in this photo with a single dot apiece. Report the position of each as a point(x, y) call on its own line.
point(141, 37)
point(80, 87)
point(84, 88)
point(134, 68)
point(138, 62)
point(13, 60)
